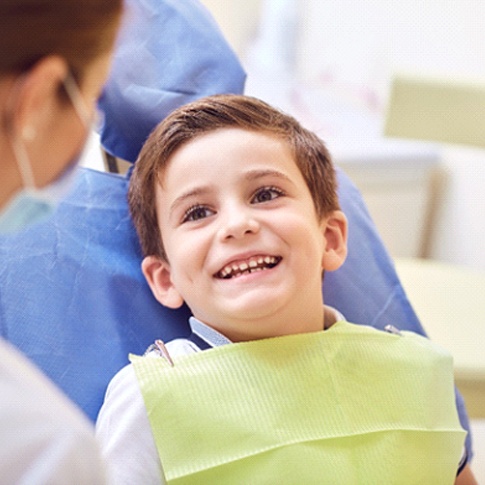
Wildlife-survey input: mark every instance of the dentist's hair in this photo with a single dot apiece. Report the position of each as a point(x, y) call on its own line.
point(214, 113)
point(77, 30)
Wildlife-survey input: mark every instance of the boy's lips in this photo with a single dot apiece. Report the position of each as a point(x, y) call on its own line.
point(250, 265)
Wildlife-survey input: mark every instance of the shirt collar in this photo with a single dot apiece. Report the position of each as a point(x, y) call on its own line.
point(216, 339)
point(208, 334)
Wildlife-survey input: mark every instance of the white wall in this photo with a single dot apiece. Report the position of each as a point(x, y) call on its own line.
point(238, 19)
point(364, 42)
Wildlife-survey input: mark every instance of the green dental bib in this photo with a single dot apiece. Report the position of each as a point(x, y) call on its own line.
point(350, 405)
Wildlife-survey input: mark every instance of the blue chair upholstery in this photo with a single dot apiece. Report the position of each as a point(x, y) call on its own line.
point(153, 73)
point(72, 295)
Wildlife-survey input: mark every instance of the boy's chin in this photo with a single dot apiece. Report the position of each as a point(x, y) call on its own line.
point(258, 307)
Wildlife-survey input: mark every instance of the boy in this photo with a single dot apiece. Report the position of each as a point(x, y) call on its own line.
point(235, 205)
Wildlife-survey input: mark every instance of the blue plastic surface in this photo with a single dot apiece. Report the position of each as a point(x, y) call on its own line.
point(169, 53)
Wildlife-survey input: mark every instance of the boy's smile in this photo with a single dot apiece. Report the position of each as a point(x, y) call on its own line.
point(248, 266)
point(244, 245)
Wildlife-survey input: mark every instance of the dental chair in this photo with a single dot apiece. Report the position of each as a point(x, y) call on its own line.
point(72, 295)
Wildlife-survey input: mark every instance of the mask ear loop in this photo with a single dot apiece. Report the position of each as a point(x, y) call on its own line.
point(77, 100)
point(18, 147)
point(23, 162)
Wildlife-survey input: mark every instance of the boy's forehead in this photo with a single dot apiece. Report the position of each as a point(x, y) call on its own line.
point(235, 136)
point(237, 147)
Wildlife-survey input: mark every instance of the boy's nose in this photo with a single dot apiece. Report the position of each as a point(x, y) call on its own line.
point(237, 224)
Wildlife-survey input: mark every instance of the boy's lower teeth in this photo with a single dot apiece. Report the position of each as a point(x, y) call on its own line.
point(246, 271)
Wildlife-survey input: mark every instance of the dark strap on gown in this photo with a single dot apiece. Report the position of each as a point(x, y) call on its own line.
point(200, 342)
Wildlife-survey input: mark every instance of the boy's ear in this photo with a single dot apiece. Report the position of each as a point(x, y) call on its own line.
point(335, 230)
point(158, 276)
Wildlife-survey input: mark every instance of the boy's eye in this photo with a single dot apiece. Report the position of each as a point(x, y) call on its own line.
point(266, 194)
point(196, 213)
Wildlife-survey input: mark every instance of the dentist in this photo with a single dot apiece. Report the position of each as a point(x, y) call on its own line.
point(54, 58)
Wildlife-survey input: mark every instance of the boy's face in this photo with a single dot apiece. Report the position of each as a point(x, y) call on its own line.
point(245, 248)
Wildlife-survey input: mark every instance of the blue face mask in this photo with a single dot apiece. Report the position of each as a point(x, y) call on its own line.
point(32, 204)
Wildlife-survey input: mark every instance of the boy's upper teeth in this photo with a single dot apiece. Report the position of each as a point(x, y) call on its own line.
point(256, 263)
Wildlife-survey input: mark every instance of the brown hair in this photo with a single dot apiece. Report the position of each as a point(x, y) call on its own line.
point(210, 114)
point(78, 30)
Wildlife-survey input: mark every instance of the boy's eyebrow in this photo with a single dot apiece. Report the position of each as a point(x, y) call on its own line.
point(187, 195)
point(256, 174)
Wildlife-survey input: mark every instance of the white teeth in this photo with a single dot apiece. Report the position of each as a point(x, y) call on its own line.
point(253, 263)
point(243, 267)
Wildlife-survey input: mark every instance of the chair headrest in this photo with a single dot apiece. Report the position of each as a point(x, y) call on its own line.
point(167, 54)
